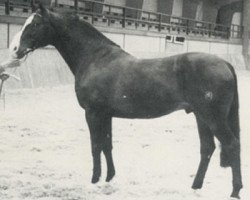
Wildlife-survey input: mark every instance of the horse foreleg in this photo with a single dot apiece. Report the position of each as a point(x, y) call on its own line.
point(94, 124)
point(107, 148)
point(110, 165)
point(207, 147)
point(101, 140)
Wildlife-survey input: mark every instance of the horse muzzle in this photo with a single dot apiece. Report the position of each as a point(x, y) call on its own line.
point(20, 53)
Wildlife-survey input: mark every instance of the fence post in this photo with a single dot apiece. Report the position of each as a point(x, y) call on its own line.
point(109, 13)
point(8, 35)
point(76, 5)
point(92, 11)
point(124, 17)
point(241, 31)
point(32, 4)
point(209, 30)
point(56, 3)
point(7, 7)
point(228, 32)
point(187, 27)
point(92, 7)
point(160, 21)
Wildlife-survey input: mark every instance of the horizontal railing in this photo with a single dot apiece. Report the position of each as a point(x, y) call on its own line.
point(103, 14)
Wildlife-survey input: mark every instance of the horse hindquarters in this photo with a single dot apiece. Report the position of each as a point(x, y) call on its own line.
point(218, 116)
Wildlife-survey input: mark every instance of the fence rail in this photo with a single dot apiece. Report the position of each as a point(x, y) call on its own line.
point(103, 14)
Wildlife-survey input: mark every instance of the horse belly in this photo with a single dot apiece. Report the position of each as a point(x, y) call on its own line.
point(142, 114)
point(146, 108)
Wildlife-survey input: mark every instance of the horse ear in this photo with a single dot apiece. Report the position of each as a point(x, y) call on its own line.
point(51, 9)
point(43, 10)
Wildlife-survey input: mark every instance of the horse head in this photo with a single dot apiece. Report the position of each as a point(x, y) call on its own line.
point(36, 32)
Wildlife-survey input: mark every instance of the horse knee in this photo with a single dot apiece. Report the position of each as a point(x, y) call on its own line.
point(107, 144)
point(107, 149)
point(96, 149)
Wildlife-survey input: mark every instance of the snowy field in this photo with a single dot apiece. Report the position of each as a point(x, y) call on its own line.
point(45, 152)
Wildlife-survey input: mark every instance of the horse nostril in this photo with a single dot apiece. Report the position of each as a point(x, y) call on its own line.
point(15, 48)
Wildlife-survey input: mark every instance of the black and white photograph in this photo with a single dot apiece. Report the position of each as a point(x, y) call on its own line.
point(124, 99)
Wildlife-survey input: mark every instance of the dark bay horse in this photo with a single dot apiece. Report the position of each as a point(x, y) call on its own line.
point(111, 83)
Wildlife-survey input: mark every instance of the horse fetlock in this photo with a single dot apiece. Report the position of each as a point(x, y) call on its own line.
point(110, 175)
point(95, 179)
point(96, 175)
point(198, 182)
point(197, 185)
point(235, 195)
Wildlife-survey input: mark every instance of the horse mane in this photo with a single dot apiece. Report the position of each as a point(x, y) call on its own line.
point(73, 19)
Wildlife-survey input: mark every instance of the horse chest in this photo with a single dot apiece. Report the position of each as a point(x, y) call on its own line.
point(91, 94)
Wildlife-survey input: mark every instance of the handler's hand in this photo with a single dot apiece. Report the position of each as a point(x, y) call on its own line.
point(10, 63)
point(4, 76)
point(1, 69)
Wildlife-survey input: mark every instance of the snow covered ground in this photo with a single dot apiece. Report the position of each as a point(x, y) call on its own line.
point(45, 152)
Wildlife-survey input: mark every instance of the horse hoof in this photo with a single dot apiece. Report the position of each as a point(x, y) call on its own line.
point(95, 179)
point(235, 193)
point(196, 186)
point(110, 176)
point(234, 197)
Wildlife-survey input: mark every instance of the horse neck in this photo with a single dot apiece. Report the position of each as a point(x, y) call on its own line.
point(78, 42)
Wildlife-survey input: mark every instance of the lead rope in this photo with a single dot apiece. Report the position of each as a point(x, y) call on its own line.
point(3, 78)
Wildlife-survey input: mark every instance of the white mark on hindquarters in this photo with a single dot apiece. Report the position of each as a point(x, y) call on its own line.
point(209, 95)
point(15, 44)
point(124, 96)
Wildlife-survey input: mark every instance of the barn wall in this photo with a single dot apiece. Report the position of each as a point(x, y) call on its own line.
point(4, 36)
point(150, 5)
point(165, 6)
point(210, 12)
point(116, 2)
point(246, 33)
point(178, 8)
point(189, 9)
point(225, 13)
point(13, 29)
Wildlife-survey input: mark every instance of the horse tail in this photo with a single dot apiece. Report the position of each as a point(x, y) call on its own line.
point(233, 121)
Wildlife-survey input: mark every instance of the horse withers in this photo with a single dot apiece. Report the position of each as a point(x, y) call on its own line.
point(111, 83)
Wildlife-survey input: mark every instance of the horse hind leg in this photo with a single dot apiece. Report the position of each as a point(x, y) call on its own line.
point(230, 148)
point(207, 147)
point(230, 157)
point(233, 121)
